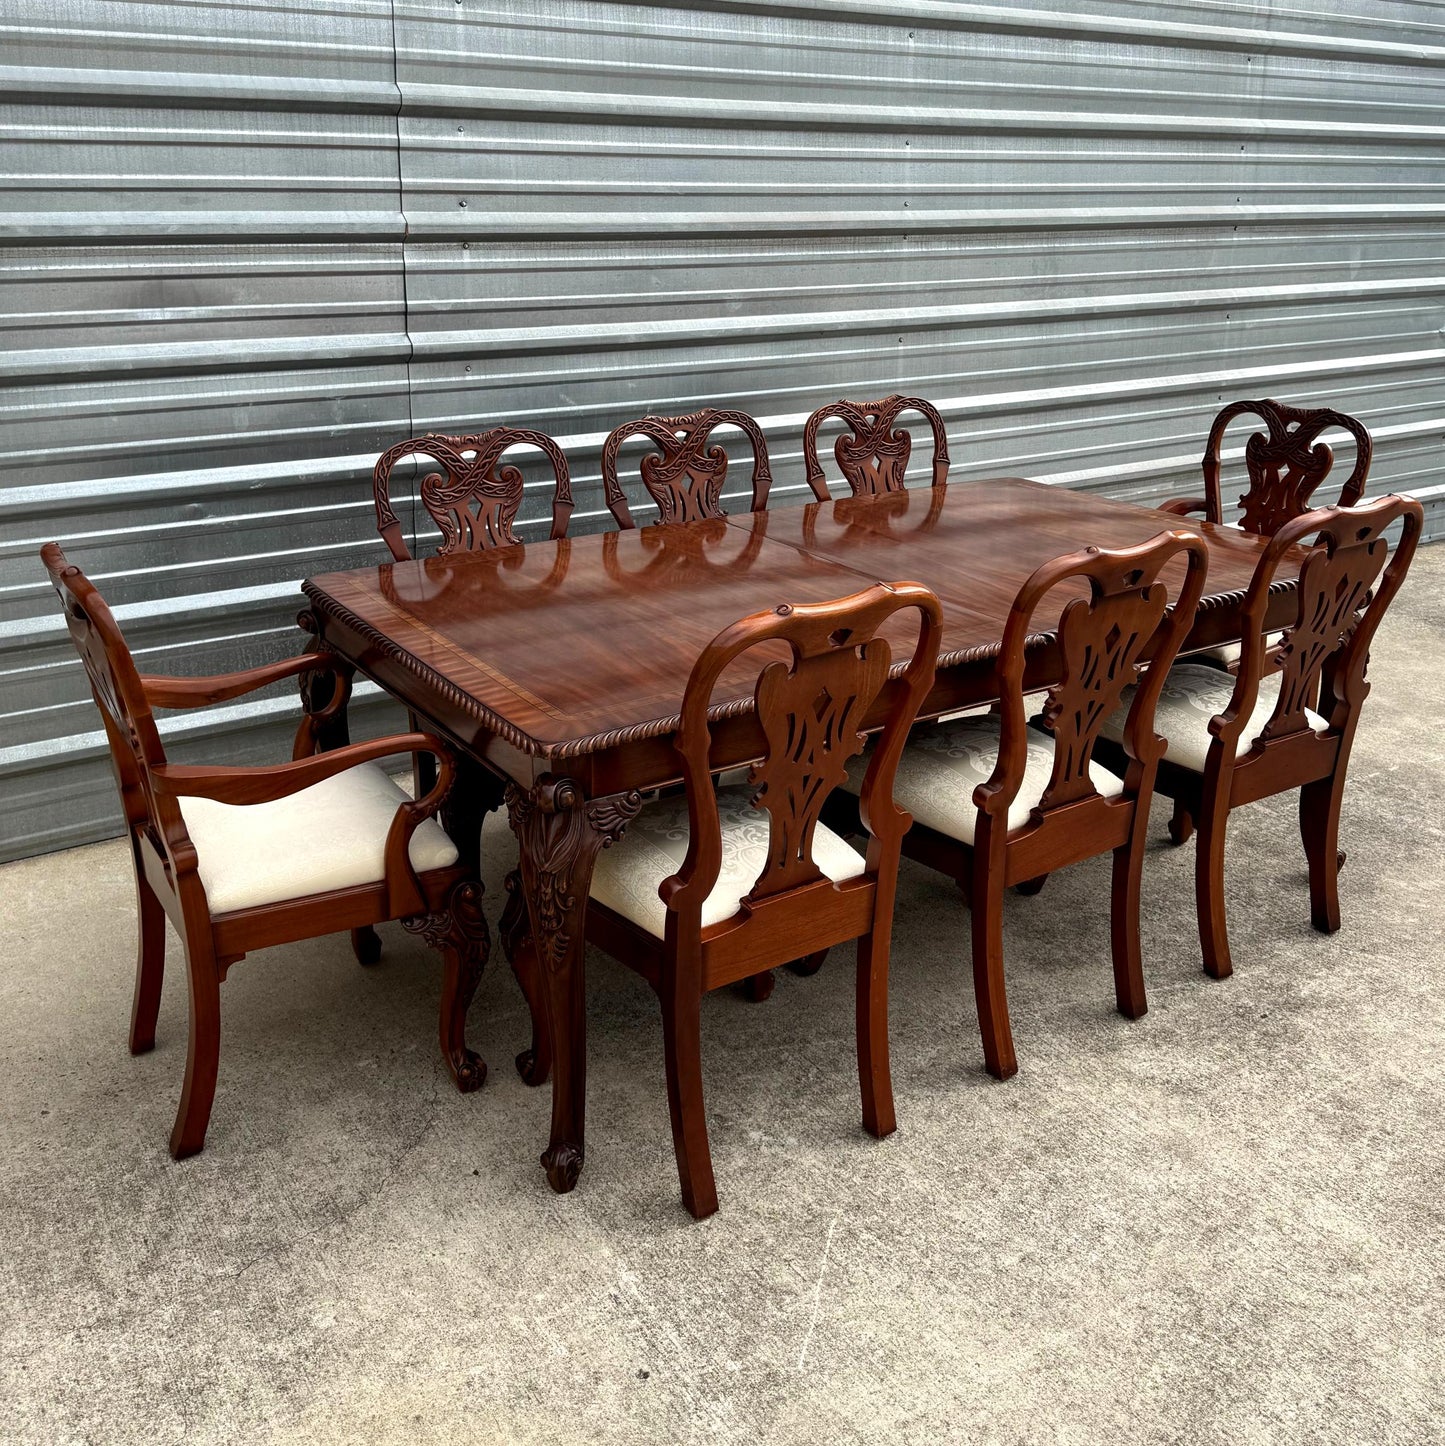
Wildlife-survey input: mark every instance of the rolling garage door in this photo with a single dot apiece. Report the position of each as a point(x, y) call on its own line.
point(245, 246)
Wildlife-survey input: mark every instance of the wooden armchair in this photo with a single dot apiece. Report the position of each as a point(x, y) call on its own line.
point(245, 858)
point(713, 887)
point(873, 455)
point(1284, 467)
point(684, 477)
point(1287, 719)
point(997, 802)
point(474, 499)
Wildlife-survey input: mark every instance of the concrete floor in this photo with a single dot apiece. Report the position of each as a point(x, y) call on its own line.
point(1222, 1223)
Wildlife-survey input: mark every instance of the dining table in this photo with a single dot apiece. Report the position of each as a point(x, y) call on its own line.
point(557, 668)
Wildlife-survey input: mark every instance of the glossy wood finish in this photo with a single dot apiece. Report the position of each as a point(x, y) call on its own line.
point(1102, 641)
point(551, 665)
point(1348, 578)
point(811, 706)
point(1285, 464)
point(442, 904)
point(474, 498)
point(685, 476)
point(873, 454)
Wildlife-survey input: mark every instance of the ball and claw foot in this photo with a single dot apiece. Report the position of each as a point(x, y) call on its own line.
point(469, 1072)
point(563, 1163)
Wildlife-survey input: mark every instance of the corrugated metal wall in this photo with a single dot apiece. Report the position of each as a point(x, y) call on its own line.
point(246, 245)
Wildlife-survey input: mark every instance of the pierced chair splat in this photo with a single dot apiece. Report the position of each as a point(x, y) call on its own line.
point(873, 455)
point(247, 858)
point(685, 476)
point(714, 887)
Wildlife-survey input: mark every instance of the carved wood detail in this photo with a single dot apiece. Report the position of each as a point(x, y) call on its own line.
point(810, 714)
point(560, 832)
point(874, 457)
point(684, 477)
point(1286, 464)
point(475, 498)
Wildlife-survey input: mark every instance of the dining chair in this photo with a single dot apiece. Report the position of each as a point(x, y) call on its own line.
point(684, 477)
point(997, 801)
point(246, 858)
point(873, 454)
point(709, 888)
point(1287, 719)
point(474, 499)
point(1284, 467)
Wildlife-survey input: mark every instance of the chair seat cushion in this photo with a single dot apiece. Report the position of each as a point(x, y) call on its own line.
point(1192, 694)
point(329, 836)
point(1226, 655)
point(944, 762)
point(627, 875)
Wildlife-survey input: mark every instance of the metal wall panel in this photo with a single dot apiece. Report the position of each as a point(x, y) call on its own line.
point(248, 245)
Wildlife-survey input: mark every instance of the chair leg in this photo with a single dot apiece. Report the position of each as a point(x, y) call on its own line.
point(988, 984)
point(875, 1079)
point(1030, 887)
point(1209, 889)
point(1124, 927)
point(758, 987)
point(203, 1055)
point(515, 931)
point(809, 963)
point(150, 965)
point(1319, 826)
point(682, 1055)
point(1181, 823)
point(459, 930)
point(366, 944)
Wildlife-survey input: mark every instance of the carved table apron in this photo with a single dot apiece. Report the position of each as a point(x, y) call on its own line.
point(560, 666)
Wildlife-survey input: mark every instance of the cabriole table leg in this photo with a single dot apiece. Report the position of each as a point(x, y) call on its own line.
point(559, 831)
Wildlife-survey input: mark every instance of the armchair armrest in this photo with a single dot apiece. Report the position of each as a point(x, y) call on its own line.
point(221, 687)
point(265, 784)
point(1183, 506)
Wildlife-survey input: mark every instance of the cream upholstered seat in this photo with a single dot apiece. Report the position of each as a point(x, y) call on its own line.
point(626, 876)
point(944, 762)
point(1193, 693)
point(329, 836)
point(1226, 655)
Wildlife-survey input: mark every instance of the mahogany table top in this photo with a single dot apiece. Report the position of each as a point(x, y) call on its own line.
point(571, 647)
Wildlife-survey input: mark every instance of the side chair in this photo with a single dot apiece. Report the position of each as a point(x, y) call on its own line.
point(685, 476)
point(873, 454)
point(997, 801)
point(246, 858)
point(710, 888)
point(1287, 719)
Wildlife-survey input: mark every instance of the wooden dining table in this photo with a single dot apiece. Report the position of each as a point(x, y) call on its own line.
point(558, 669)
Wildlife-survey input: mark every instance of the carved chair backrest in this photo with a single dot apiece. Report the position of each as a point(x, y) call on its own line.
point(474, 498)
point(1101, 642)
point(873, 456)
point(1345, 588)
point(684, 477)
point(1285, 465)
point(115, 684)
point(810, 709)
